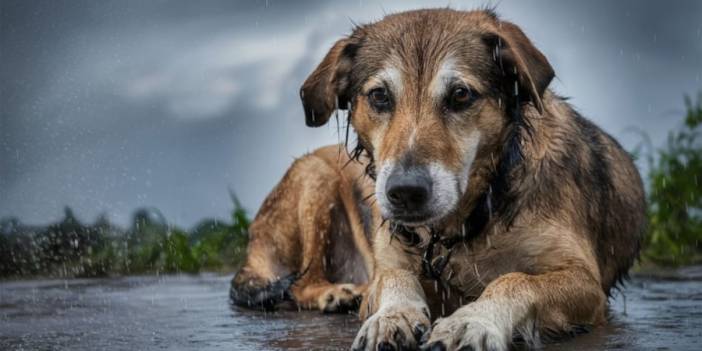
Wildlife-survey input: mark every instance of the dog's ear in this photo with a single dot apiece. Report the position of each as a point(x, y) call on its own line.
point(520, 61)
point(326, 89)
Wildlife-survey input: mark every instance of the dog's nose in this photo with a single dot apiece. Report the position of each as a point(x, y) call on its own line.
point(409, 191)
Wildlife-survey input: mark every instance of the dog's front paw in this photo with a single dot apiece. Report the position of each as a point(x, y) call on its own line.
point(475, 327)
point(340, 298)
point(393, 328)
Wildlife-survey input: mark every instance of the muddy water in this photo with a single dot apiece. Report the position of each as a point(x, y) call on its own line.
point(192, 313)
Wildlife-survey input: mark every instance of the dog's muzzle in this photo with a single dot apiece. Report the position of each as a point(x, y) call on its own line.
point(409, 191)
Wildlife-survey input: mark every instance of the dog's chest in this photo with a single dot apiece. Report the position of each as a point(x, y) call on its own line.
point(454, 268)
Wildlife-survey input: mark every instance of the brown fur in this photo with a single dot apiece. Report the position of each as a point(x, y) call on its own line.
point(553, 212)
point(309, 234)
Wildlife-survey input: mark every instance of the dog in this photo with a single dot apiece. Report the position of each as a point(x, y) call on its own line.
point(308, 241)
point(504, 213)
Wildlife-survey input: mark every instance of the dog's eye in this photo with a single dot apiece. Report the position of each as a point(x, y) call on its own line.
point(461, 97)
point(379, 98)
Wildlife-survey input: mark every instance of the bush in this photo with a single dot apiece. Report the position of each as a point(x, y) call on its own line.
point(675, 194)
point(70, 248)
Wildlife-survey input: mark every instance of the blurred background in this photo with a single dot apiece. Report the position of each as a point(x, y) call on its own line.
point(139, 138)
point(107, 107)
point(110, 105)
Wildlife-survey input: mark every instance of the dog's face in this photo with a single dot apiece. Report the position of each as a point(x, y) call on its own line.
point(430, 94)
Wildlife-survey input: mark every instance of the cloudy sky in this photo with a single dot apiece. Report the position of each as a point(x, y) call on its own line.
point(107, 106)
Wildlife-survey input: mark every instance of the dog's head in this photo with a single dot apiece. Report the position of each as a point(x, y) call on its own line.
point(431, 95)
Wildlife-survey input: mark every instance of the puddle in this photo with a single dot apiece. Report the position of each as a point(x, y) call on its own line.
point(192, 313)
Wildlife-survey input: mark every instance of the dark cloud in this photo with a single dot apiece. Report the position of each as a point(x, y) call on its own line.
point(107, 106)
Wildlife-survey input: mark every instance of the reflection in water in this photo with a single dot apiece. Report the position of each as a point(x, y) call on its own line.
point(192, 312)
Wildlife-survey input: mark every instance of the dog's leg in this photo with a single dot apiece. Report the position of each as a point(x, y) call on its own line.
point(400, 315)
point(262, 281)
point(553, 301)
point(319, 199)
point(565, 293)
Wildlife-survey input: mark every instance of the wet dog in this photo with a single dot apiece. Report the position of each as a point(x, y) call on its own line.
point(507, 212)
point(308, 241)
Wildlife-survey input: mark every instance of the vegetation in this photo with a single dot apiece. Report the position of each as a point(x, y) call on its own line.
point(675, 194)
point(70, 248)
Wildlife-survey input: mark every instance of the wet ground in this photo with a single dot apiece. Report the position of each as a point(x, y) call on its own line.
point(192, 313)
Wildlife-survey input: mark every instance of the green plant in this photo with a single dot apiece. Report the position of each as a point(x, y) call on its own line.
point(220, 245)
point(72, 248)
point(675, 194)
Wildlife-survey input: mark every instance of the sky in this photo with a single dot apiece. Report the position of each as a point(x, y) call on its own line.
point(108, 106)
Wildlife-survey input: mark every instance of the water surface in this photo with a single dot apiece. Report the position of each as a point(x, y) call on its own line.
point(192, 313)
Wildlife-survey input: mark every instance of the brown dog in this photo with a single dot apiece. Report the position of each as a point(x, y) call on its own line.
point(308, 241)
point(507, 211)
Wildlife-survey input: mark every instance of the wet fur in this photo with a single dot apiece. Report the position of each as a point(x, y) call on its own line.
point(308, 241)
point(554, 212)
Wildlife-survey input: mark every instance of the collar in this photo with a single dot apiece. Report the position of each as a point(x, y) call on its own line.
point(433, 266)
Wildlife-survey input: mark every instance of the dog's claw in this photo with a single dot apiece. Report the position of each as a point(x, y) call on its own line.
point(360, 345)
point(425, 337)
point(420, 331)
point(437, 346)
